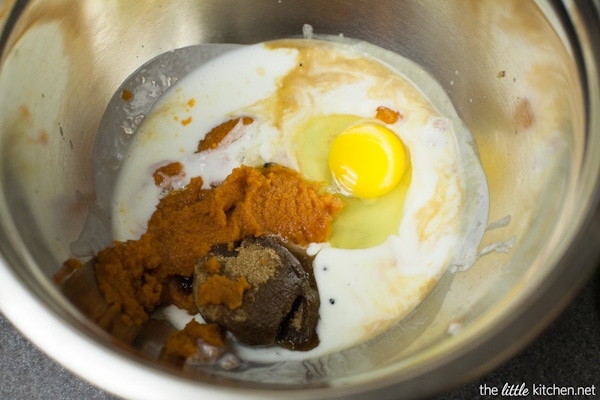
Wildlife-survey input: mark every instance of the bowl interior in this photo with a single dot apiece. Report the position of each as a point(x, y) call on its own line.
point(510, 69)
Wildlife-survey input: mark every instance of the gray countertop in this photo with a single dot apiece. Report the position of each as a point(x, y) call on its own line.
point(566, 355)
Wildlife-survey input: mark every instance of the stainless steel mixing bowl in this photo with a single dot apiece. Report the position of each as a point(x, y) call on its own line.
point(524, 76)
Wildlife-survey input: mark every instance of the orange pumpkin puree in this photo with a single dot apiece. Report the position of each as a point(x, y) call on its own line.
point(183, 343)
point(218, 133)
point(168, 171)
point(137, 276)
point(387, 115)
point(219, 289)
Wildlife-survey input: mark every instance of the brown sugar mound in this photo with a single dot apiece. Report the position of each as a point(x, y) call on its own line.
point(281, 304)
point(137, 276)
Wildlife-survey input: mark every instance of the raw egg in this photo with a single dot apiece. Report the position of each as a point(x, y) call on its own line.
point(367, 160)
point(365, 221)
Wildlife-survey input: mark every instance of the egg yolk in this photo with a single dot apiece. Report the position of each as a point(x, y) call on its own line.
point(367, 160)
